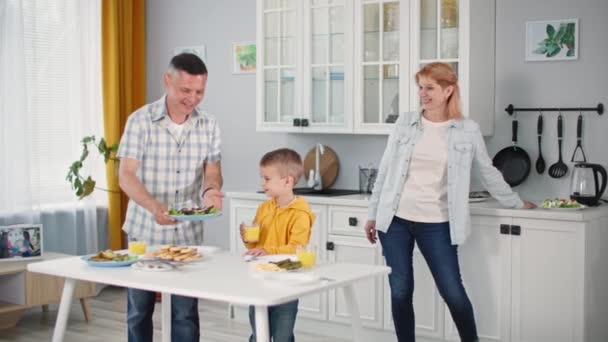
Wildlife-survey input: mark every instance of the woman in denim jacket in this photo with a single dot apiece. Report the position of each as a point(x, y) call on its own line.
point(421, 196)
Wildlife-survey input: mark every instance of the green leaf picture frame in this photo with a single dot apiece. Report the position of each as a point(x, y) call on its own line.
point(552, 40)
point(244, 56)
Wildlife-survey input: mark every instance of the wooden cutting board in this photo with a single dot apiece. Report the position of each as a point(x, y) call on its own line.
point(329, 165)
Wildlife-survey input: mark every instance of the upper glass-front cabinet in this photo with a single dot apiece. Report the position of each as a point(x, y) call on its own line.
point(380, 63)
point(348, 66)
point(305, 79)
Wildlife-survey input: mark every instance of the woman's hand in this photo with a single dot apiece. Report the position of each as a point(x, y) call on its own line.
point(370, 231)
point(529, 205)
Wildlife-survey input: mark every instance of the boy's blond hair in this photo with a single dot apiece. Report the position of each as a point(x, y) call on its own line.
point(287, 161)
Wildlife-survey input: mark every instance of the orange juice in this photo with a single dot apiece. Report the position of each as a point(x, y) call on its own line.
point(252, 233)
point(307, 257)
point(137, 247)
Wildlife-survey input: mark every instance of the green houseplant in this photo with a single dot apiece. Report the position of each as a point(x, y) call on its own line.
point(556, 40)
point(84, 186)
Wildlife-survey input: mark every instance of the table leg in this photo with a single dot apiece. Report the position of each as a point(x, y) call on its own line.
point(353, 310)
point(166, 316)
point(262, 333)
point(64, 309)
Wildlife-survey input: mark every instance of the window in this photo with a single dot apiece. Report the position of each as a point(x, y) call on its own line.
point(50, 97)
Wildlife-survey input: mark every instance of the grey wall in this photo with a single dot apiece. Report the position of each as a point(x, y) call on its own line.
point(217, 24)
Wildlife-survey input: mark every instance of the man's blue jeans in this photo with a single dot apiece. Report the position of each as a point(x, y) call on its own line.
point(434, 242)
point(184, 317)
point(281, 319)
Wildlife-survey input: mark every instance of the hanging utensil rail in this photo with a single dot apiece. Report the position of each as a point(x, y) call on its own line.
point(599, 109)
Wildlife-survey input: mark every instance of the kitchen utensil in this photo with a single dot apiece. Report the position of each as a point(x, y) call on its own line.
point(329, 165)
point(513, 161)
point(585, 186)
point(559, 169)
point(540, 162)
point(579, 137)
point(367, 178)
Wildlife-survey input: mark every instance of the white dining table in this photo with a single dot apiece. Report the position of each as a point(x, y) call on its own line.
point(221, 277)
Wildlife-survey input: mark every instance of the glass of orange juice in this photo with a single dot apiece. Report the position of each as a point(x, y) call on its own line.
point(252, 233)
point(137, 247)
point(307, 254)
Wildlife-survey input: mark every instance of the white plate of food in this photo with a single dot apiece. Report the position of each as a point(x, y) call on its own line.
point(184, 254)
point(153, 266)
point(562, 204)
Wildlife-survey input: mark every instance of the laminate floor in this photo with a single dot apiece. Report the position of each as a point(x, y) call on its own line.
point(109, 323)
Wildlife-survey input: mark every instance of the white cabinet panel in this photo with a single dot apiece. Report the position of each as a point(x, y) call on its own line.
point(369, 292)
point(347, 220)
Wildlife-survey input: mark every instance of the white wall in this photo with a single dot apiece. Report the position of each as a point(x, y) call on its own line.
point(217, 24)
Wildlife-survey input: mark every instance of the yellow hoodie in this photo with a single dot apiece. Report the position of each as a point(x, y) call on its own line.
point(282, 229)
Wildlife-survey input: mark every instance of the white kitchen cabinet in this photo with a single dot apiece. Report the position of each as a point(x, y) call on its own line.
point(348, 249)
point(529, 286)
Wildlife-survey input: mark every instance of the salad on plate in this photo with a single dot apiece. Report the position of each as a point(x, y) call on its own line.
point(562, 203)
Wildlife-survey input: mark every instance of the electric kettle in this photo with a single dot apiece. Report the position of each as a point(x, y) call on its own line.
point(586, 187)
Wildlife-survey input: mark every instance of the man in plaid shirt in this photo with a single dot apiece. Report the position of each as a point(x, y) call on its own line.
point(170, 157)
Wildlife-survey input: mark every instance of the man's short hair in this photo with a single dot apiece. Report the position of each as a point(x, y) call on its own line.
point(189, 63)
point(287, 161)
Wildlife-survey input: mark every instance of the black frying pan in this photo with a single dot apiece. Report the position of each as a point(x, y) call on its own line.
point(513, 162)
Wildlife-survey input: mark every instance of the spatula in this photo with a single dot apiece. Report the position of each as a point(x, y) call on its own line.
point(540, 162)
point(559, 169)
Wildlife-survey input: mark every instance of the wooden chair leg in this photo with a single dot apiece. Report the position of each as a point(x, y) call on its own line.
point(85, 309)
point(45, 308)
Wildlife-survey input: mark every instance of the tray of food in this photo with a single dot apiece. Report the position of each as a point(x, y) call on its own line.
point(194, 214)
point(109, 258)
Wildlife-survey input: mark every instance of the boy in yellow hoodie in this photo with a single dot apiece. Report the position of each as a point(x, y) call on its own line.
point(285, 222)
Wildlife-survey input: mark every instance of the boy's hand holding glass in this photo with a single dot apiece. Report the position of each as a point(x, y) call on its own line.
point(250, 233)
point(307, 254)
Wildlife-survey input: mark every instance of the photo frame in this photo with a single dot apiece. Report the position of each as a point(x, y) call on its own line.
point(552, 40)
point(21, 241)
point(244, 58)
point(199, 50)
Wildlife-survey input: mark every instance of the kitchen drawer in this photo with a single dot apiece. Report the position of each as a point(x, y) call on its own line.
point(347, 220)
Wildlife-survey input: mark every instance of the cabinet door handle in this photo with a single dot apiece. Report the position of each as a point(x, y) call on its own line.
point(329, 246)
point(505, 229)
point(352, 221)
point(297, 122)
point(304, 122)
point(515, 230)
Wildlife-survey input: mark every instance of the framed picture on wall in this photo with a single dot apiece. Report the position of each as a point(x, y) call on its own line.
point(20, 241)
point(244, 58)
point(552, 40)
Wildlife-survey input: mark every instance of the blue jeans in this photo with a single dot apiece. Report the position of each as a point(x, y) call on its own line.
point(184, 317)
point(281, 319)
point(434, 242)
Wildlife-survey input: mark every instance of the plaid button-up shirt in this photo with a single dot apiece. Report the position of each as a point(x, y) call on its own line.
point(171, 169)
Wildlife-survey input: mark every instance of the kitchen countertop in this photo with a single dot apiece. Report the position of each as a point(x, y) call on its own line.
point(489, 207)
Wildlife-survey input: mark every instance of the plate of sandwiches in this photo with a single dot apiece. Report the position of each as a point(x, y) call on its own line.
point(175, 253)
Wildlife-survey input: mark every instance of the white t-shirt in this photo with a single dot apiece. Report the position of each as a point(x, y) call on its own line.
point(425, 193)
point(176, 130)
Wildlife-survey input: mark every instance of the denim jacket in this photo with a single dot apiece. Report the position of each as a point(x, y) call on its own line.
point(467, 150)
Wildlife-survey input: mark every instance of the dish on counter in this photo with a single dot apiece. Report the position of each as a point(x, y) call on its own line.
point(562, 204)
point(478, 196)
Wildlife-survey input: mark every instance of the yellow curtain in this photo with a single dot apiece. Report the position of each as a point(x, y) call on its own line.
point(124, 88)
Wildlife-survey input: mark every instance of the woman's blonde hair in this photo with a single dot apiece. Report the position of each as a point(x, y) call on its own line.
point(444, 75)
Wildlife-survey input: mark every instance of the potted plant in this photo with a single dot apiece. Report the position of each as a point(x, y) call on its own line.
point(84, 186)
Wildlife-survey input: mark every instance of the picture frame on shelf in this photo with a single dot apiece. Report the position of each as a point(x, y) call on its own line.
point(552, 40)
point(21, 241)
point(244, 58)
